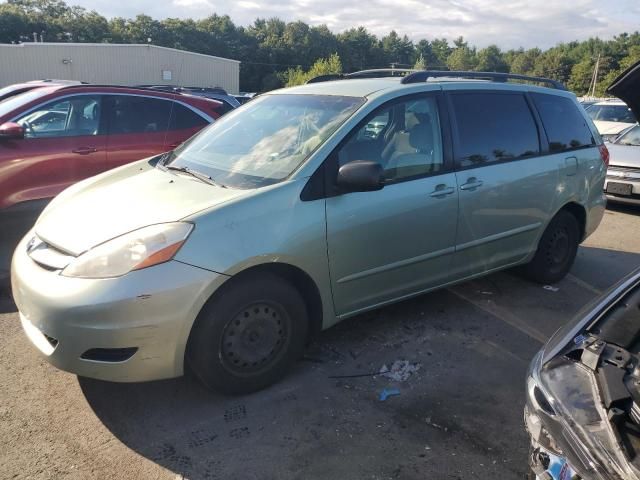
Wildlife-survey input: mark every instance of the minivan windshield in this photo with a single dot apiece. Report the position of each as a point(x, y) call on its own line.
point(264, 141)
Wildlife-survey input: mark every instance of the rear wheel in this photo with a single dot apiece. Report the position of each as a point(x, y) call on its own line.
point(248, 335)
point(556, 251)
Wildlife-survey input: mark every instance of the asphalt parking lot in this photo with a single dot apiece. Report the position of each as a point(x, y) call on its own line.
point(458, 417)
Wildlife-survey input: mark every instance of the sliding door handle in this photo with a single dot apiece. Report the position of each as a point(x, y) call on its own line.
point(471, 184)
point(441, 191)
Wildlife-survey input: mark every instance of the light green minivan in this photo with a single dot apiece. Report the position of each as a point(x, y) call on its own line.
point(303, 207)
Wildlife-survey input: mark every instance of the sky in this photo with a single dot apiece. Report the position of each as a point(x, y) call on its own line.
point(506, 23)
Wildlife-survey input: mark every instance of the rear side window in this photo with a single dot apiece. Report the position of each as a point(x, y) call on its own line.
point(565, 126)
point(137, 114)
point(183, 118)
point(493, 127)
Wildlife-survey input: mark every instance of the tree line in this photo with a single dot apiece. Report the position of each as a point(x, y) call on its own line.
point(274, 52)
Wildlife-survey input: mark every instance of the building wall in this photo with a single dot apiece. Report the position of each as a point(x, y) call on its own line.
point(116, 64)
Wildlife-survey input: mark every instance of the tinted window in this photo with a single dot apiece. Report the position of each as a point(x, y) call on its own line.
point(493, 127)
point(72, 117)
point(565, 126)
point(183, 118)
point(404, 138)
point(134, 114)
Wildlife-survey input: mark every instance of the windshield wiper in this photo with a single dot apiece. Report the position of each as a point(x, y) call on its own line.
point(194, 173)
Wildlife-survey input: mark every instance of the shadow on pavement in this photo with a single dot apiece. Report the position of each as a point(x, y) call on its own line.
point(461, 410)
point(624, 208)
point(6, 300)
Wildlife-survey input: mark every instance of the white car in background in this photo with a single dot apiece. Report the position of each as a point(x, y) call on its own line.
point(623, 174)
point(611, 117)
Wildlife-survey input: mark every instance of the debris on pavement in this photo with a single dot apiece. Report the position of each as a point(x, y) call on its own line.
point(388, 392)
point(356, 375)
point(551, 288)
point(400, 370)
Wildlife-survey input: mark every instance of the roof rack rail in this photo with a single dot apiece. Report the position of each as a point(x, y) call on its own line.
point(424, 75)
point(373, 73)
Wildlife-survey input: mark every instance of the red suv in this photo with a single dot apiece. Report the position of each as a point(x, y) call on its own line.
point(52, 137)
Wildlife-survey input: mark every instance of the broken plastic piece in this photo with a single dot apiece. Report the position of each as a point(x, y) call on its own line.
point(388, 392)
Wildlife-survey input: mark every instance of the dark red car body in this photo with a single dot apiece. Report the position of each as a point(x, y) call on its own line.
point(39, 168)
point(73, 132)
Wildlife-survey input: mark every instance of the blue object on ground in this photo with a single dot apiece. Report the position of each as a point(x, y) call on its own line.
point(388, 392)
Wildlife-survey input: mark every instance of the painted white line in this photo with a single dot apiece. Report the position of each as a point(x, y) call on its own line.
point(507, 317)
point(583, 284)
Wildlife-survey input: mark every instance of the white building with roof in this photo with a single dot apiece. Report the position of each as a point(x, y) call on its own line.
point(120, 64)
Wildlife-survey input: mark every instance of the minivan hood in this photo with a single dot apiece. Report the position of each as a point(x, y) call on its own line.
point(119, 201)
point(627, 88)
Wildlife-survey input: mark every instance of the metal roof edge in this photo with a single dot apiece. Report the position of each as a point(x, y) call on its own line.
point(77, 44)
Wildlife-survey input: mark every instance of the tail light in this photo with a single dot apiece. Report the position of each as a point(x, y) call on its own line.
point(604, 154)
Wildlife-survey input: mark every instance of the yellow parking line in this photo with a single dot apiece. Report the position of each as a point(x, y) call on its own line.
point(584, 284)
point(507, 317)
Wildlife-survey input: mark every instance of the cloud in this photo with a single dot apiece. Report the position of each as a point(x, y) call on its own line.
point(509, 24)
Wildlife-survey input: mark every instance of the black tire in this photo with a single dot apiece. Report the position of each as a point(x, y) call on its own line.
point(556, 251)
point(248, 335)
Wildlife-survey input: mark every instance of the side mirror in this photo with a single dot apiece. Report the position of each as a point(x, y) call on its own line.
point(361, 176)
point(11, 131)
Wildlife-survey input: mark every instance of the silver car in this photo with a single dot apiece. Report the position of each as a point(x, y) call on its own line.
point(583, 393)
point(623, 175)
point(287, 216)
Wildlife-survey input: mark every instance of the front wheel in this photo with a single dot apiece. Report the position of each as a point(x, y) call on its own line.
point(556, 251)
point(248, 335)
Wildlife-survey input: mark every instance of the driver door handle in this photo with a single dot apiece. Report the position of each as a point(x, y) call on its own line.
point(85, 150)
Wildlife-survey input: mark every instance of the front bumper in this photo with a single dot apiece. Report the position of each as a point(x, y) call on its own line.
point(148, 313)
point(548, 466)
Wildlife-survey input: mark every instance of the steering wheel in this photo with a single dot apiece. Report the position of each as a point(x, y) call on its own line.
point(28, 127)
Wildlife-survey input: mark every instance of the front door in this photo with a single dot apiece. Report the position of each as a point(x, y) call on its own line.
point(64, 142)
point(398, 241)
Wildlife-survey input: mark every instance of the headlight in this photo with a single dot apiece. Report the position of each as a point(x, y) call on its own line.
point(538, 403)
point(132, 251)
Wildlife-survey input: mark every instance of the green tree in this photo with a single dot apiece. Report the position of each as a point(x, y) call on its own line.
point(323, 66)
point(441, 51)
point(358, 50)
point(462, 58)
point(523, 62)
point(397, 50)
point(491, 59)
point(421, 63)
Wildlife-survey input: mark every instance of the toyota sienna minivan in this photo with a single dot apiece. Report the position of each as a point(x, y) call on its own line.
point(290, 214)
